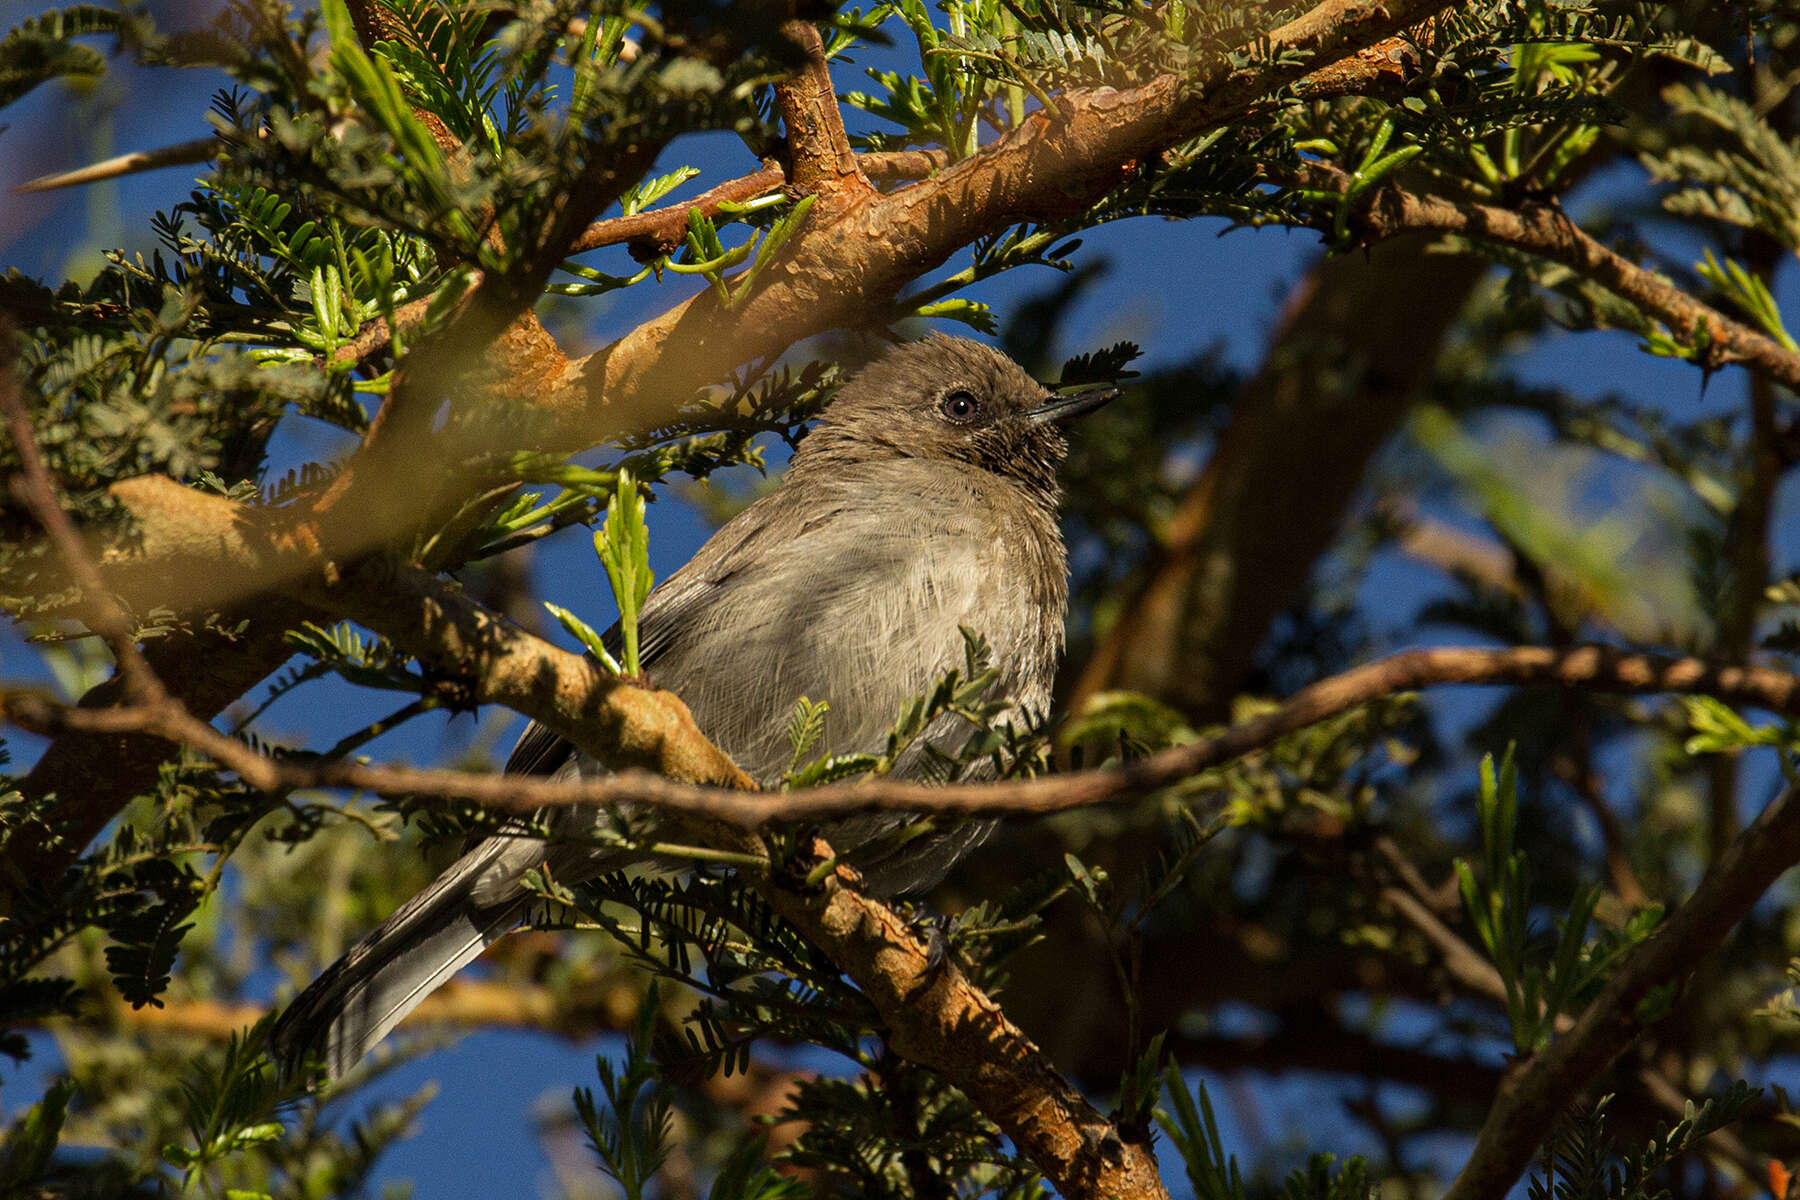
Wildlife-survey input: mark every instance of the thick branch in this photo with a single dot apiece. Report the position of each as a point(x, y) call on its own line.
point(851, 259)
point(848, 262)
point(455, 638)
point(937, 1019)
point(1534, 1093)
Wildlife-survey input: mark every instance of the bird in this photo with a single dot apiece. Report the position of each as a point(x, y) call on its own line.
point(922, 502)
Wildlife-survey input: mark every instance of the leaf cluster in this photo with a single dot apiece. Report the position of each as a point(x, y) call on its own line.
point(1580, 1162)
point(1542, 982)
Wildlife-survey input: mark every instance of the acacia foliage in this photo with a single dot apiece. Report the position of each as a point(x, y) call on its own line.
point(333, 209)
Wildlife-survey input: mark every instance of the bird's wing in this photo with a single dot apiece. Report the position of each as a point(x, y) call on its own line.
point(539, 751)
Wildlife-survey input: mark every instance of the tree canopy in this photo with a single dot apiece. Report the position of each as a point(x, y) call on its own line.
point(453, 278)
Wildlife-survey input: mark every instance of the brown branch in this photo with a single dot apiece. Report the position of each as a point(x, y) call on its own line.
point(377, 335)
point(662, 230)
point(937, 1019)
point(1547, 232)
point(851, 259)
point(1461, 960)
point(455, 638)
point(847, 263)
point(461, 1002)
point(820, 160)
point(864, 251)
point(1535, 1093)
point(1455, 551)
point(197, 151)
point(642, 728)
point(902, 166)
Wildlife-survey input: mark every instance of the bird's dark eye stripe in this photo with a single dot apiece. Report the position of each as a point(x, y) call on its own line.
point(960, 406)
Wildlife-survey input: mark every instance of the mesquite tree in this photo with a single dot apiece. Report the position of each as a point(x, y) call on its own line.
point(1546, 931)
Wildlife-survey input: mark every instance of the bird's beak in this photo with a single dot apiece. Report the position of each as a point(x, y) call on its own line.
point(1060, 410)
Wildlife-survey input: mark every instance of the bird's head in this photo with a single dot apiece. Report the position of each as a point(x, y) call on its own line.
point(956, 400)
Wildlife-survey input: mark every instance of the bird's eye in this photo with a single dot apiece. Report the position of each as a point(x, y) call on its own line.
point(961, 407)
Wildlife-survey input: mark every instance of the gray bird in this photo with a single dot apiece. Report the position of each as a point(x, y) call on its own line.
point(924, 500)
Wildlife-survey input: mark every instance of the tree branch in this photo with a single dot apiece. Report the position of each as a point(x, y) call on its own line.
point(661, 230)
point(848, 262)
point(937, 1019)
point(1548, 232)
point(197, 151)
point(642, 728)
point(1534, 1094)
point(820, 161)
point(853, 256)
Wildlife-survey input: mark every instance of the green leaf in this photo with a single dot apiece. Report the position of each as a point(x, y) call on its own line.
point(784, 228)
point(623, 545)
point(1718, 729)
point(804, 727)
point(38, 49)
point(973, 313)
point(644, 194)
point(372, 663)
point(29, 1146)
point(584, 633)
point(1194, 1132)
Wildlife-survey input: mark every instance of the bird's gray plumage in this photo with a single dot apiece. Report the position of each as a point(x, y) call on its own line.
point(899, 521)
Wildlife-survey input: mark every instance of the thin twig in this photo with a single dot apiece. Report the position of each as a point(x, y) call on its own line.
point(197, 151)
point(1465, 965)
point(1546, 231)
point(1591, 667)
point(662, 229)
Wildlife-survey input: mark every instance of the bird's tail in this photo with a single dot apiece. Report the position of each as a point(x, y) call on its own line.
point(371, 989)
